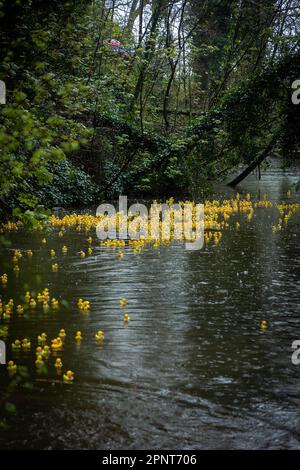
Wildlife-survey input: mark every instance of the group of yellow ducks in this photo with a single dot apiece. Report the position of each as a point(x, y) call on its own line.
point(43, 351)
point(216, 218)
point(30, 302)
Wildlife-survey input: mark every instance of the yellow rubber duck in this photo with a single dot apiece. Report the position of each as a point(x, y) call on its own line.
point(27, 297)
point(64, 250)
point(3, 332)
point(123, 302)
point(42, 338)
point(58, 363)
point(29, 253)
point(16, 345)
point(16, 269)
point(46, 351)
point(44, 241)
point(90, 240)
point(12, 367)
point(54, 303)
point(46, 294)
point(26, 344)
point(20, 309)
point(78, 336)
point(120, 254)
point(4, 279)
point(68, 376)
point(45, 306)
point(82, 254)
point(55, 267)
point(32, 303)
point(7, 311)
point(39, 361)
point(56, 344)
point(40, 297)
point(99, 335)
point(126, 318)
point(84, 305)
point(52, 253)
point(38, 351)
point(62, 334)
point(90, 250)
point(264, 324)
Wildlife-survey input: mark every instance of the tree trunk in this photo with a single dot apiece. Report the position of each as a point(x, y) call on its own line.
point(254, 164)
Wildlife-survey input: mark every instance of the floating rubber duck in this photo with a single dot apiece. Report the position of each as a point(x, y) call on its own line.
point(90, 250)
point(56, 344)
point(55, 267)
point(29, 253)
point(64, 250)
point(32, 303)
point(16, 346)
point(27, 297)
point(68, 376)
point(99, 335)
point(58, 364)
point(16, 269)
point(38, 351)
point(46, 294)
point(46, 351)
point(120, 254)
point(17, 254)
point(42, 338)
point(26, 344)
point(78, 336)
point(61, 233)
point(90, 240)
point(54, 303)
point(264, 324)
point(126, 318)
point(52, 253)
point(82, 254)
point(7, 311)
point(62, 334)
point(11, 367)
point(3, 332)
point(20, 309)
point(40, 297)
point(84, 305)
point(123, 302)
point(39, 361)
point(4, 279)
point(44, 241)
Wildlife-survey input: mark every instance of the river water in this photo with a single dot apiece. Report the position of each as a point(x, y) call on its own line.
point(192, 369)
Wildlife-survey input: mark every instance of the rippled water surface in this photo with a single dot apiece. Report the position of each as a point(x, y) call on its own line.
point(192, 369)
